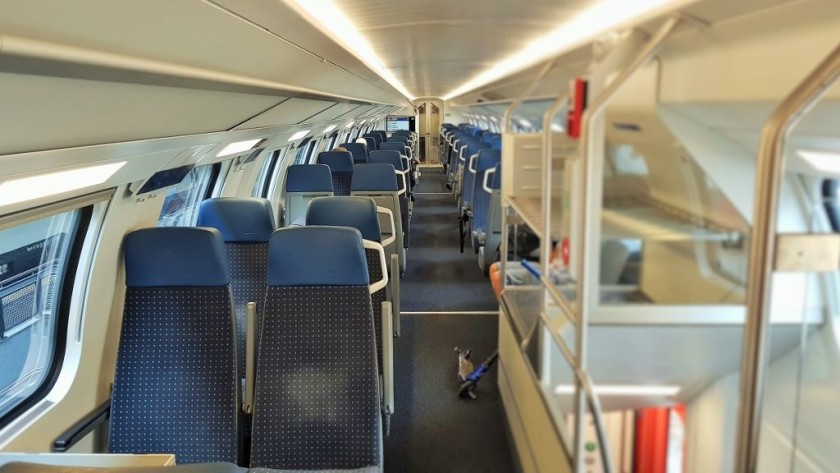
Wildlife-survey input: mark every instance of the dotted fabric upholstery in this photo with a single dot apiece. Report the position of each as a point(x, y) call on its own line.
point(467, 186)
point(176, 388)
point(248, 262)
point(316, 403)
point(406, 222)
point(369, 469)
point(341, 182)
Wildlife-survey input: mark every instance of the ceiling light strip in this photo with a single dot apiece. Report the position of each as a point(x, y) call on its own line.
point(331, 21)
point(592, 22)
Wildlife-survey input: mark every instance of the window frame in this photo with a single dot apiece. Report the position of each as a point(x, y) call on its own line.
point(64, 301)
point(208, 192)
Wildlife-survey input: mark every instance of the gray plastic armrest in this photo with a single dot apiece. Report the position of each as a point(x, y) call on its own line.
point(395, 292)
point(388, 355)
point(250, 353)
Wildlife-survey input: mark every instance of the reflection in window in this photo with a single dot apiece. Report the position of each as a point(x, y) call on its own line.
point(628, 161)
point(180, 208)
point(33, 260)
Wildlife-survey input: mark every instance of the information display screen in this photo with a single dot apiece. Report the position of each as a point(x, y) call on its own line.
point(399, 122)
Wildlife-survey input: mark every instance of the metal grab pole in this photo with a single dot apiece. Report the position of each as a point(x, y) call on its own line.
point(769, 174)
point(589, 172)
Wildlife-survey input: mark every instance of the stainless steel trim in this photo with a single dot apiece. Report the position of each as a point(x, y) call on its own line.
point(769, 175)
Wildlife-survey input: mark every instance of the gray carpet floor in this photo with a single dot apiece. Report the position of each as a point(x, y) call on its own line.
point(432, 430)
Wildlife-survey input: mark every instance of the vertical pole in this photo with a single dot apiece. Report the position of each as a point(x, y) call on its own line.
point(769, 175)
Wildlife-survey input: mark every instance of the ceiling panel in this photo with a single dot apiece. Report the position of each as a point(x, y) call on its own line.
point(289, 112)
point(434, 46)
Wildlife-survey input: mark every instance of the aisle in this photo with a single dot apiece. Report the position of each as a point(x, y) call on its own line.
point(438, 277)
point(432, 430)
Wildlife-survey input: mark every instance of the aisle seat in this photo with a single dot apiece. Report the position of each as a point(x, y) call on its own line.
point(469, 173)
point(178, 332)
point(369, 141)
point(393, 158)
point(303, 183)
point(358, 150)
point(377, 139)
point(341, 169)
point(493, 233)
point(316, 404)
point(485, 166)
point(361, 213)
point(378, 181)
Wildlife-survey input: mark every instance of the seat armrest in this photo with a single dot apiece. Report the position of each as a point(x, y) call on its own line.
point(382, 283)
point(84, 426)
point(393, 237)
point(388, 356)
point(395, 293)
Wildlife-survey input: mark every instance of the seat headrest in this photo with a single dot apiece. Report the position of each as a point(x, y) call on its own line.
point(397, 146)
point(359, 151)
point(398, 138)
point(383, 135)
point(238, 219)
point(175, 257)
point(338, 161)
point(353, 212)
point(308, 178)
point(488, 137)
point(488, 158)
point(497, 178)
point(371, 142)
point(387, 157)
point(317, 256)
point(376, 138)
point(475, 146)
point(374, 177)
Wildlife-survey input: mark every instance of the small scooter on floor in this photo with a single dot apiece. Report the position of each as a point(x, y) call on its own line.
point(469, 375)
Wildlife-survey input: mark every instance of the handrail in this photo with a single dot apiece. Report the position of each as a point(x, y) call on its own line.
point(525, 92)
point(589, 172)
point(769, 174)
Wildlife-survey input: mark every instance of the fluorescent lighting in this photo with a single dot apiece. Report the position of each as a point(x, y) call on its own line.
point(362, 122)
point(331, 21)
point(21, 189)
point(299, 134)
point(238, 147)
point(823, 161)
point(594, 21)
point(349, 125)
point(329, 128)
point(624, 390)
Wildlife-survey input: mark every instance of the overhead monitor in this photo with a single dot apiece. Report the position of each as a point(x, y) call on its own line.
point(399, 122)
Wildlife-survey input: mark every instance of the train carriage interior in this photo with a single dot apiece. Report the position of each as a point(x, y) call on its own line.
point(594, 236)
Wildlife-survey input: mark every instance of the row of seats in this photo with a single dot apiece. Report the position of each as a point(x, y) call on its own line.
point(384, 179)
point(472, 160)
point(317, 375)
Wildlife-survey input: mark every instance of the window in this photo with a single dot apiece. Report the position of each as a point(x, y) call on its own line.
point(267, 173)
point(300, 155)
point(180, 209)
point(310, 151)
point(331, 142)
point(36, 265)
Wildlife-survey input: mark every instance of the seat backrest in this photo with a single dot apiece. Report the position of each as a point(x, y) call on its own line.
point(316, 400)
point(341, 169)
point(470, 157)
point(488, 137)
point(370, 141)
point(487, 160)
point(178, 333)
point(397, 146)
point(378, 181)
point(246, 225)
point(496, 142)
point(359, 213)
point(376, 140)
point(398, 138)
point(303, 183)
point(358, 150)
point(383, 135)
point(393, 158)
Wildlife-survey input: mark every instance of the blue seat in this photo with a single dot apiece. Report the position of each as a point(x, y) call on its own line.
point(488, 137)
point(397, 146)
point(377, 139)
point(496, 142)
point(316, 403)
point(358, 150)
point(383, 135)
point(361, 213)
point(341, 169)
point(485, 165)
point(393, 158)
point(370, 141)
point(378, 181)
point(492, 239)
point(178, 333)
point(303, 183)
point(245, 225)
point(471, 156)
